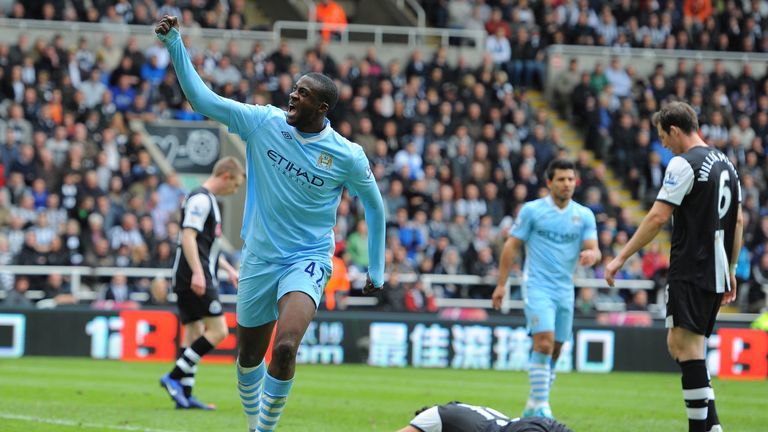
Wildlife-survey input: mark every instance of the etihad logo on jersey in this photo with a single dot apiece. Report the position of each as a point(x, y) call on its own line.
point(559, 237)
point(325, 161)
point(293, 171)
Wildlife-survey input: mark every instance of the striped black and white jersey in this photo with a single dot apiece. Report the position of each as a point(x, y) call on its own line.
point(201, 213)
point(460, 417)
point(703, 186)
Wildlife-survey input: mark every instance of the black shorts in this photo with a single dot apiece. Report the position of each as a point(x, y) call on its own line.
point(535, 424)
point(193, 307)
point(692, 308)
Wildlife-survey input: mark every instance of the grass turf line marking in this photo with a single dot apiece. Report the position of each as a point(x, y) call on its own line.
point(62, 422)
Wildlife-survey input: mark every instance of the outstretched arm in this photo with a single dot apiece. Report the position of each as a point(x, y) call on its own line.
point(234, 275)
point(737, 242)
point(202, 99)
point(189, 248)
point(508, 253)
point(653, 222)
point(376, 220)
point(590, 253)
point(363, 184)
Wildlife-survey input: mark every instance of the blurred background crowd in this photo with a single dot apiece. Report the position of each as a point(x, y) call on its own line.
point(456, 147)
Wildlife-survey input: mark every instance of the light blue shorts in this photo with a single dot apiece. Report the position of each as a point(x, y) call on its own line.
point(263, 284)
point(546, 314)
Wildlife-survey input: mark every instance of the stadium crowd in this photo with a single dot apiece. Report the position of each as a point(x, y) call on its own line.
point(456, 149)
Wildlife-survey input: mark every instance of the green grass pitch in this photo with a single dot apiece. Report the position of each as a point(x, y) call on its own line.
point(64, 394)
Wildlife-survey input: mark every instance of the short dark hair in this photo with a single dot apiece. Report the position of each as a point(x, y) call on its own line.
point(559, 164)
point(424, 408)
point(327, 91)
point(678, 114)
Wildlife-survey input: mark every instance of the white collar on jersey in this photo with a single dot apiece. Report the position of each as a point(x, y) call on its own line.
point(314, 138)
point(551, 202)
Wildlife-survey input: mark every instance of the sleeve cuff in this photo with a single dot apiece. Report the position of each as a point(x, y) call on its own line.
point(170, 38)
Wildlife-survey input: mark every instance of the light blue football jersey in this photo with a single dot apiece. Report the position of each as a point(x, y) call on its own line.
point(553, 239)
point(294, 180)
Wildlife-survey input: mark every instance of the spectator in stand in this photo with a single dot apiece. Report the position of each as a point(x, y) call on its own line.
point(338, 284)
point(123, 93)
point(118, 289)
point(498, 46)
point(357, 246)
point(18, 296)
point(639, 301)
point(417, 299)
point(187, 113)
point(151, 71)
point(585, 302)
point(696, 13)
point(332, 17)
point(756, 296)
point(392, 297)
point(654, 260)
point(127, 233)
point(58, 290)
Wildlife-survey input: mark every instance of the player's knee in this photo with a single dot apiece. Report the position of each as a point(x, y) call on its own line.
point(284, 353)
point(676, 350)
point(544, 346)
point(671, 350)
point(671, 346)
point(248, 357)
point(217, 336)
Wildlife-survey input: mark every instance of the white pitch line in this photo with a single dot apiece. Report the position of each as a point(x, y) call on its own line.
point(63, 422)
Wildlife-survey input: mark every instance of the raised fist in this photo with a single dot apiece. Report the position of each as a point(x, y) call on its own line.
point(166, 24)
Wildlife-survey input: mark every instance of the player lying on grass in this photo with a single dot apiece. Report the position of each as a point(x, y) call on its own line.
point(460, 417)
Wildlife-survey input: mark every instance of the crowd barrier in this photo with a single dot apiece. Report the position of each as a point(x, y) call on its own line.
point(381, 339)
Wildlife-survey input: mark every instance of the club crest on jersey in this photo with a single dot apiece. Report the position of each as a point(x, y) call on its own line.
point(324, 161)
point(286, 135)
point(576, 219)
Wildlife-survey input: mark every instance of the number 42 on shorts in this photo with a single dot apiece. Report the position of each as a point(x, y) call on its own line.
point(311, 271)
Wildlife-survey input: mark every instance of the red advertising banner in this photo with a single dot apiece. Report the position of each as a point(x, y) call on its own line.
point(743, 354)
point(152, 336)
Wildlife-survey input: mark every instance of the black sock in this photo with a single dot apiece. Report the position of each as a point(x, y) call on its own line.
point(184, 378)
point(695, 393)
point(186, 365)
point(176, 372)
point(712, 418)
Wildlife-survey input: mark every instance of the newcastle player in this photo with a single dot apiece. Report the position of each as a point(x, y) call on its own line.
point(195, 280)
point(701, 190)
point(460, 417)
